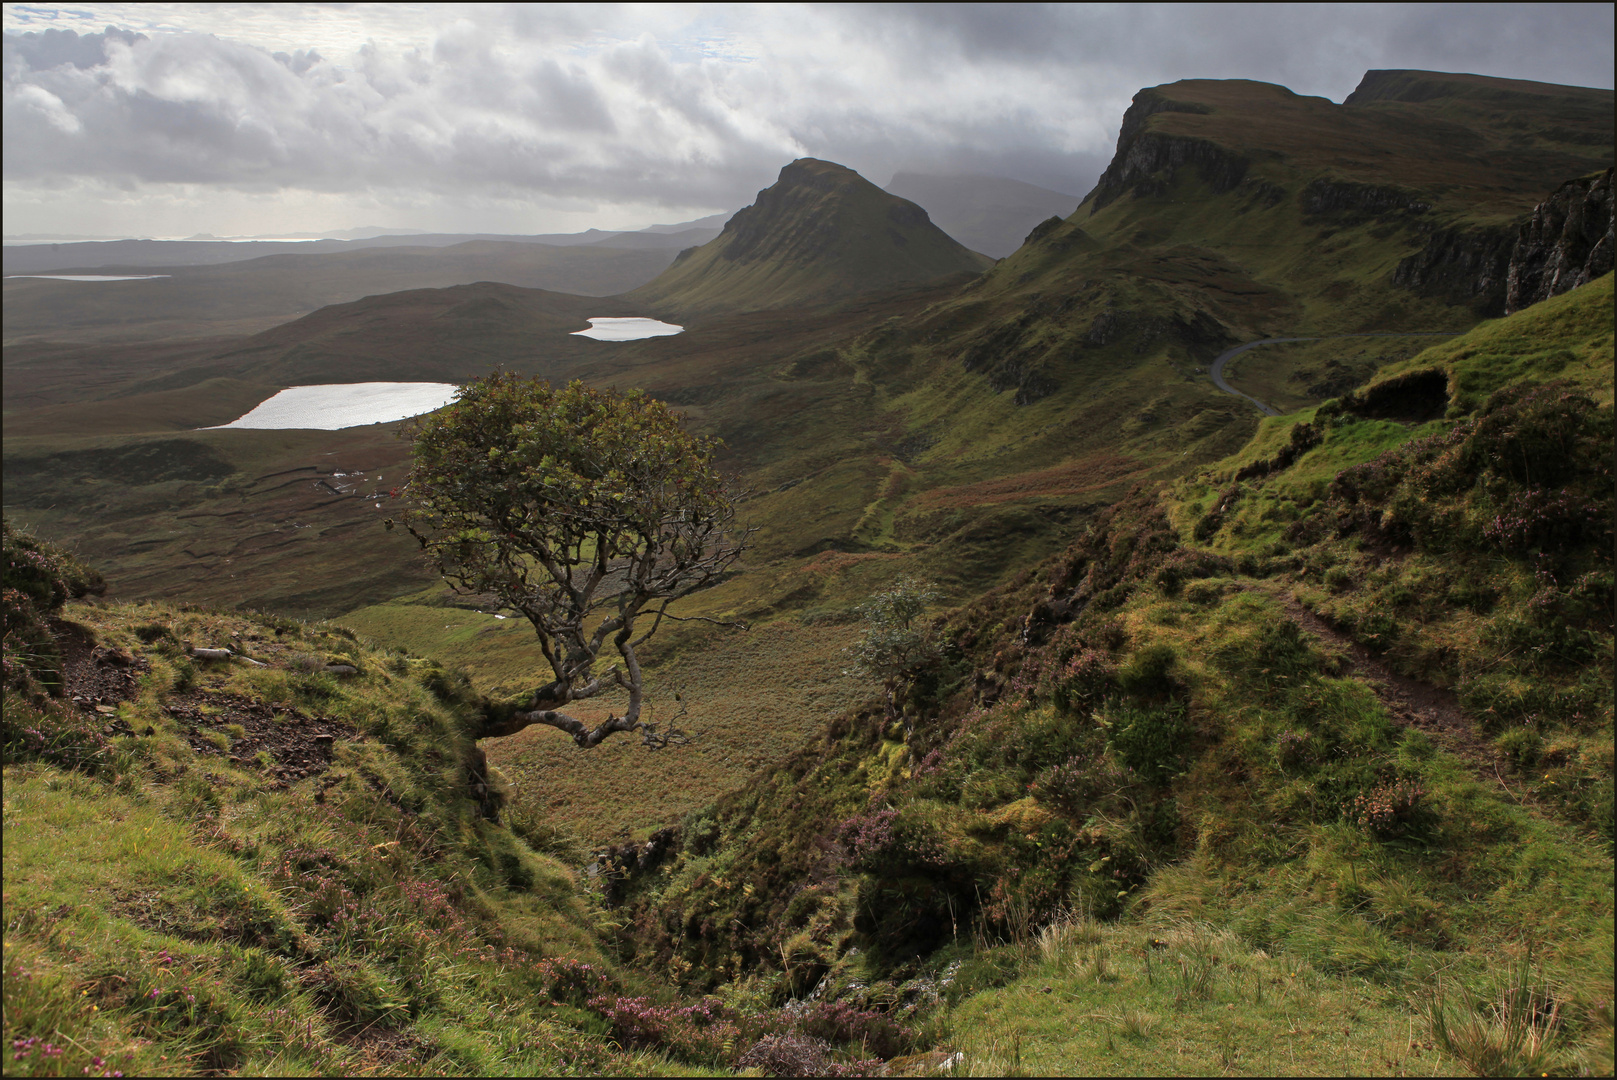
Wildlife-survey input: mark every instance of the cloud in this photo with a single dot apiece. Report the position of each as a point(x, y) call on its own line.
point(580, 106)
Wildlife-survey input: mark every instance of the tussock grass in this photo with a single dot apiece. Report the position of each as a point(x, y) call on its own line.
point(170, 911)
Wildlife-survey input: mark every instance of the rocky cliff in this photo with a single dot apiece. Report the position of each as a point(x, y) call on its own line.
point(1464, 267)
point(1565, 243)
point(1143, 155)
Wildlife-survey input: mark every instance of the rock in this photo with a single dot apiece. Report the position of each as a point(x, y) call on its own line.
point(1566, 242)
point(1141, 154)
point(342, 669)
point(1464, 267)
point(1360, 202)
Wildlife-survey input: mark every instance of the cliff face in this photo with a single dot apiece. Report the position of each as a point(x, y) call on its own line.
point(1464, 267)
point(1141, 155)
point(1565, 243)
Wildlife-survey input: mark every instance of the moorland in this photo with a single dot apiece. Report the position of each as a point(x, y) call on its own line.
point(1251, 740)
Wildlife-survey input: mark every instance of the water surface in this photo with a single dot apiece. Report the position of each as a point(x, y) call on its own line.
point(628, 329)
point(91, 277)
point(345, 405)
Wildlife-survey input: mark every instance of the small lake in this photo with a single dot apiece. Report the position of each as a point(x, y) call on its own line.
point(628, 329)
point(90, 277)
point(346, 405)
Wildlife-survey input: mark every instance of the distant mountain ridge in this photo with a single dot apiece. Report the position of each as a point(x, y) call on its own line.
point(990, 214)
point(92, 255)
point(820, 232)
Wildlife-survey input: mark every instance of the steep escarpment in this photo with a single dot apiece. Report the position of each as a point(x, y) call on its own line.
point(1235, 210)
point(1499, 269)
point(1566, 242)
point(820, 232)
point(1143, 156)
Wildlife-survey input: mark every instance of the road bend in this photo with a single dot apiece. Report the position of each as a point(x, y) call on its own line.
point(1230, 354)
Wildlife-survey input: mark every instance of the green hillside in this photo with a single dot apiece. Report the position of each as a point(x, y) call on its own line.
point(821, 232)
point(1237, 210)
point(1253, 760)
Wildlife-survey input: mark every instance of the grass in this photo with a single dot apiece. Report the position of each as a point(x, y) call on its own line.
point(213, 918)
point(1181, 998)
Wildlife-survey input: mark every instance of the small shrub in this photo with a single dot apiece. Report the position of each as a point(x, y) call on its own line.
point(1395, 809)
point(1520, 746)
point(1148, 673)
point(1083, 681)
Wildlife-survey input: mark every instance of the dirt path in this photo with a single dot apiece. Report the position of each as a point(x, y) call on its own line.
point(1410, 702)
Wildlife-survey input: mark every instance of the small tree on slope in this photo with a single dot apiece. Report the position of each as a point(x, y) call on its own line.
point(586, 511)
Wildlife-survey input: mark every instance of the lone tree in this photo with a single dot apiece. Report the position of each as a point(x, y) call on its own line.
point(587, 511)
point(895, 645)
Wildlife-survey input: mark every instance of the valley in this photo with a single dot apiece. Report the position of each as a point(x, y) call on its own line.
point(1265, 721)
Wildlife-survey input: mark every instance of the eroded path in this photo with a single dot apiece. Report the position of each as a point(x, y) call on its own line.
point(1410, 702)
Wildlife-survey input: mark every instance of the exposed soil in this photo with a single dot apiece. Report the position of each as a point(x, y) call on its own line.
point(300, 745)
point(95, 678)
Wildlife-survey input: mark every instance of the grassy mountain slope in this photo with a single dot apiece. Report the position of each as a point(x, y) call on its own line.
point(250, 296)
point(1326, 728)
point(990, 214)
point(266, 864)
point(296, 865)
point(1236, 210)
point(821, 232)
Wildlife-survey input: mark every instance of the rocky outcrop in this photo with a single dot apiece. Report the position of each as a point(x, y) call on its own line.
point(1143, 157)
point(1565, 243)
point(1360, 202)
point(1464, 267)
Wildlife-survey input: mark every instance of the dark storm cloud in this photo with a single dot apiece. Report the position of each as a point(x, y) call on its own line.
point(1312, 48)
point(701, 109)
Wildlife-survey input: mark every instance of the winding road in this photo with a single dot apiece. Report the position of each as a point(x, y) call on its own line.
point(1230, 354)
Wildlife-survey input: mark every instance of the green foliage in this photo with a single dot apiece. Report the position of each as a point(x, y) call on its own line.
point(1150, 740)
point(895, 645)
point(570, 506)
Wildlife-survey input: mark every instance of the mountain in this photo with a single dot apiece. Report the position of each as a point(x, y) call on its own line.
point(1235, 210)
point(249, 296)
point(820, 233)
point(990, 214)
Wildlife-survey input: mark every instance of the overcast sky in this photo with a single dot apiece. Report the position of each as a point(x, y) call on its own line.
point(237, 119)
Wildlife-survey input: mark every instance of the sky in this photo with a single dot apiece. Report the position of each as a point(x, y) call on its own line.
point(156, 119)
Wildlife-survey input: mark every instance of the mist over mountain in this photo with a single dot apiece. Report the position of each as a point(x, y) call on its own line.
point(990, 214)
point(88, 255)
